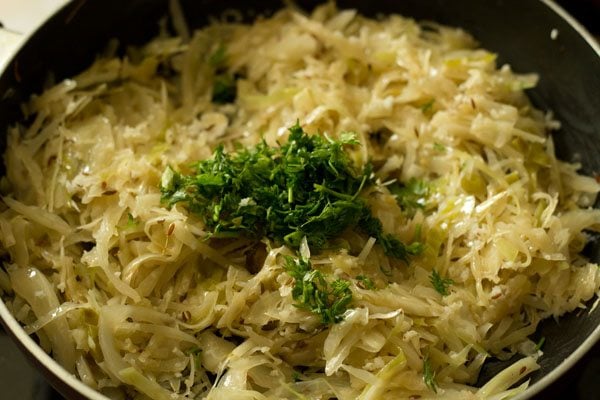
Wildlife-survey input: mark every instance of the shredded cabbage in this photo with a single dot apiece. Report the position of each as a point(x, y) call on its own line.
point(133, 298)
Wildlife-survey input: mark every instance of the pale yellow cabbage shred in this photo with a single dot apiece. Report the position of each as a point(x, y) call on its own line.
point(130, 296)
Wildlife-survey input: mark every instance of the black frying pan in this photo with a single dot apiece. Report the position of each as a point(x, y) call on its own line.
point(518, 30)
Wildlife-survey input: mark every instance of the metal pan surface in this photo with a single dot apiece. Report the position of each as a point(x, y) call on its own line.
point(532, 36)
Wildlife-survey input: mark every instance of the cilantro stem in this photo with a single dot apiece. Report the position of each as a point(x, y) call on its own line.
point(325, 189)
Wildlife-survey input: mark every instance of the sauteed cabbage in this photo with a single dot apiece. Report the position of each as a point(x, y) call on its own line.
point(141, 299)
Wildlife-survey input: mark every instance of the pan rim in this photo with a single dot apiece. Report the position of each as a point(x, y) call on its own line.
point(594, 337)
point(16, 331)
point(52, 367)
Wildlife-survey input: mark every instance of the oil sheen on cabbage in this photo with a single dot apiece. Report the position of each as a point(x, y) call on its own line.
point(138, 298)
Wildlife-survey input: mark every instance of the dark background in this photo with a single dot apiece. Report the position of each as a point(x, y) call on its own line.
point(19, 381)
point(582, 382)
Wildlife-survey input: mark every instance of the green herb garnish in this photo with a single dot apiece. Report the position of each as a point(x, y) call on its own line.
point(194, 350)
point(224, 89)
point(217, 59)
point(224, 84)
point(439, 147)
point(307, 187)
point(296, 376)
point(196, 353)
point(313, 292)
point(412, 195)
point(540, 344)
point(365, 282)
point(391, 245)
point(440, 284)
point(132, 222)
point(429, 375)
point(428, 106)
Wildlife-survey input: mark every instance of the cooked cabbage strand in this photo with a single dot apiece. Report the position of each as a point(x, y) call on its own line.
point(274, 265)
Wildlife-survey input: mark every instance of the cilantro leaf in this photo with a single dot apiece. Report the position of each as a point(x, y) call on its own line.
point(540, 344)
point(224, 89)
point(314, 292)
point(224, 83)
point(307, 187)
point(412, 195)
point(391, 245)
point(439, 147)
point(132, 222)
point(296, 376)
point(440, 284)
point(429, 375)
point(196, 353)
point(365, 282)
point(217, 59)
point(427, 107)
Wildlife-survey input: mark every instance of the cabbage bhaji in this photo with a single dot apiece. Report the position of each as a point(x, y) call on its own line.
point(309, 206)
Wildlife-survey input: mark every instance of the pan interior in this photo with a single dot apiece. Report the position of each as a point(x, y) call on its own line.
point(570, 89)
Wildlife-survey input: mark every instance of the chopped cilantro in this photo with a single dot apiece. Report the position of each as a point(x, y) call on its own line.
point(132, 222)
point(307, 187)
point(296, 376)
point(418, 232)
point(217, 59)
point(194, 350)
point(365, 282)
point(391, 245)
point(224, 89)
point(224, 84)
point(196, 353)
point(313, 292)
point(429, 375)
point(540, 344)
point(439, 147)
point(412, 195)
point(428, 106)
point(440, 284)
